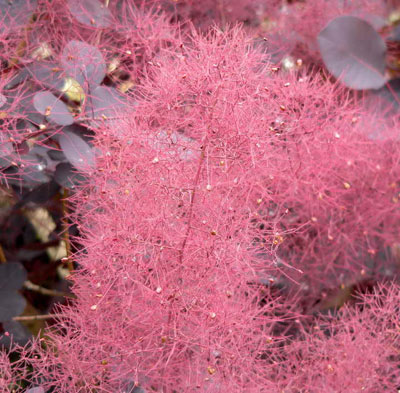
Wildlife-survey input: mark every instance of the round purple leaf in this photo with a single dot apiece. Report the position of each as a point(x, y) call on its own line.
point(91, 13)
point(78, 152)
point(33, 173)
point(18, 334)
point(47, 73)
point(12, 277)
point(50, 106)
point(11, 305)
point(15, 13)
point(67, 177)
point(17, 79)
point(84, 63)
point(105, 105)
point(354, 52)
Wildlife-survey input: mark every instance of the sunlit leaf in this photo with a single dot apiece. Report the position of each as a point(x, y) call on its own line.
point(73, 90)
point(42, 52)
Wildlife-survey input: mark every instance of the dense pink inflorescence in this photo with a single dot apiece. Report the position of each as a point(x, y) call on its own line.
point(174, 229)
point(227, 181)
point(325, 217)
point(217, 186)
point(168, 292)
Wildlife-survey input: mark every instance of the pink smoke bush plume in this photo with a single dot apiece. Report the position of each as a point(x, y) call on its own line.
point(222, 205)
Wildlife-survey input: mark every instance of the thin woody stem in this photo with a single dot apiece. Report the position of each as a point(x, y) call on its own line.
point(2, 256)
point(45, 291)
point(29, 318)
point(66, 230)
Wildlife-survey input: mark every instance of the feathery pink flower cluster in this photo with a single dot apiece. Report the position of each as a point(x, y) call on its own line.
point(223, 204)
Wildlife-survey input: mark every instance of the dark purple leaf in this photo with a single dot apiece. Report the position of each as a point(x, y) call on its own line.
point(385, 102)
point(130, 386)
point(56, 155)
point(24, 127)
point(22, 148)
point(395, 35)
point(105, 105)
point(19, 334)
point(67, 177)
point(84, 63)
point(15, 13)
point(11, 305)
point(33, 171)
point(78, 152)
point(50, 106)
point(47, 73)
point(12, 276)
point(40, 194)
point(354, 52)
point(277, 46)
point(33, 178)
point(91, 13)
point(27, 110)
point(5, 162)
point(17, 78)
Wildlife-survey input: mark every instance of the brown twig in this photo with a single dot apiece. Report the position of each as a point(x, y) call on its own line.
point(45, 291)
point(66, 230)
point(2, 256)
point(29, 318)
